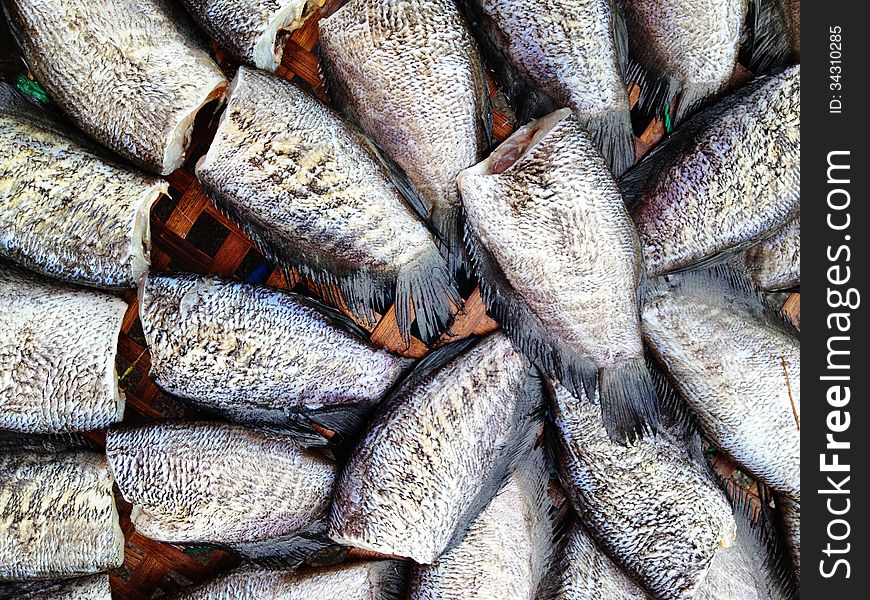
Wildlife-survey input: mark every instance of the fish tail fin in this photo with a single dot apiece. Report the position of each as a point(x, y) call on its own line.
point(629, 406)
point(615, 139)
point(285, 552)
point(391, 576)
point(448, 225)
point(766, 43)
point(426, 284)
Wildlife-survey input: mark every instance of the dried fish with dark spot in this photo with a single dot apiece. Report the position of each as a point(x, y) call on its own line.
point(507, 550)
point(94, 587)
point(308, 189)
point(561, 53)
point(728, 178)
point(735, 365)
point(653, 507)
point(57, 355)
point(253, 30)
point(58, 514)
point(65, 209)
point(409, 73)
point(682, 51)
point(130, 73)
point(261, 355)
point(560, 265)
point(775, 263)
point(377, 580)
point(253, 491)
point(440, 447)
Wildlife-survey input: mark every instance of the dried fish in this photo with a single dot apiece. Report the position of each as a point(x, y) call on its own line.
point(560, 265)
point(308, 189)
point(130, 73)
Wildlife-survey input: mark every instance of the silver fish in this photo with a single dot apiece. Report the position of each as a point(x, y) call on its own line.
point(728, 178)
point(437, 452)
point(58, 514)
point(252, 30)
point(130, 73)
point(561, 53)
point(560, 265)
point(682, 52)
point(308, 189)
point(260, 355)
point(775, 263)
point(507, 550)
point(57, 355)
point(409, 73)
point(584, 572)
point(653, 507)
point(789, 512)
point(735, 365)
point(255, 492)
point(376, 580)
point(93, 587)
point(65, 210)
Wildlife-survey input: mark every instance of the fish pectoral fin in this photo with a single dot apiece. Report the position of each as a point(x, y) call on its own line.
point(629, 406)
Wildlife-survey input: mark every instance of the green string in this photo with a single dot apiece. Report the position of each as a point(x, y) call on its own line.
point(668, 125)
point(32, 89)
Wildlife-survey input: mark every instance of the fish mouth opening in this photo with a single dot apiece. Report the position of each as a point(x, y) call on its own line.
point(179, 142)
point(269, 48)
point(522, 141)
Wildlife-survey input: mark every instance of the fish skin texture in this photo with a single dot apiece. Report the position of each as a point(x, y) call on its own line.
point(59, 516)
point(775, 263)
point(65, 210)
point(376, 580)
point(554, 54)
point(789, 512)
point(256, 353)
point(252, 30)
point(410, 74)
point(584, 572)
point(507, 550)
point(312, 194)
point(728, 178)
point(130, 73)
point(436, 453)
point(736, 367)
point(682, 52)
point(218, 484)
point(560, 264)
point(57, 355)
point(653, 507)
point(93, 587)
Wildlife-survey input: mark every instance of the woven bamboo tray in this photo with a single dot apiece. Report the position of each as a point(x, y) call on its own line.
point(190, 234)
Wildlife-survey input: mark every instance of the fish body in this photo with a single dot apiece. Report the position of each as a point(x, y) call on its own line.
point(57, 355)
point(253, 30)
point(726, 179)
point(410, 74)
point(682, 52)
point(257, 354)
point(58, 514)
point(191, 483)
point(584, 572)
point(93, 587)
point(561, 53)
point(507, 550)
point(65, 209)
point(306, 186)
point(376, 580)
point(775, 263)
point(653, 507)
point(560, 264)
point(130, 73)
point(437, 452)
point(735, 365)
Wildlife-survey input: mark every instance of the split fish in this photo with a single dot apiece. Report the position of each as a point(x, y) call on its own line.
point(65, 209)
point(561, 53)
point(725, 180)
point(775, 263)
point(306, 187)
point(437, 451)
point(560, 265)
point(253, 30)
point(410, 74)
point(261, 355)
point(131, 73)
point(58, 514)
point(93, 587)
point(253, 491)
point(57, 355)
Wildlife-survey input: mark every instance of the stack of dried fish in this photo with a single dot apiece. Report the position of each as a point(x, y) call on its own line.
point(632, 300)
